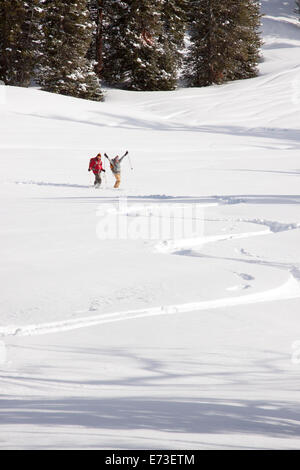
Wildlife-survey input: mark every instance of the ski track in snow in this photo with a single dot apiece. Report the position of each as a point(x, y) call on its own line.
point(179, 246)
point(289, 290)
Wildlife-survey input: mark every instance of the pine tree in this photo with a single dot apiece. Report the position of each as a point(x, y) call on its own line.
point(298, 8)
point(95, 52)
point(20, 40)
point(225, 41)
point(174, 17)
point(65, 68)
point(136, 53)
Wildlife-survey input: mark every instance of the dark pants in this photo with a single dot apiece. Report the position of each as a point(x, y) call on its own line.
point(97, 178)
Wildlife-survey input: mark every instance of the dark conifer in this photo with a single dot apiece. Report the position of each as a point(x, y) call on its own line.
point(174, 17)
point(225, 41)
point(20, 40)
point(137, 53)
point(95, 52)
point(65, 68)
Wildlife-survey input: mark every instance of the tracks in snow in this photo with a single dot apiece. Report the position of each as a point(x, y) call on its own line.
point(175, 246)
point(288, 290)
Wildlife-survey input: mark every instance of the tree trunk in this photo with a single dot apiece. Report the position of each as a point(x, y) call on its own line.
point(99, 39)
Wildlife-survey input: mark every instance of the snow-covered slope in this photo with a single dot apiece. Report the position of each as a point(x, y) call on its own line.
point(181, 343)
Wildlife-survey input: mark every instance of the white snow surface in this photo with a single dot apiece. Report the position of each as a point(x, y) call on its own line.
point(185, 343)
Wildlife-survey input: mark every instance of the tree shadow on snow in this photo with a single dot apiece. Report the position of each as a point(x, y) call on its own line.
point(278, 8)
point(273, 418)
point(63, 185)
point(289, 136)
point(206, 415)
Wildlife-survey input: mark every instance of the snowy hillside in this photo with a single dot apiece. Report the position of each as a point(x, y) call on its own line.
point(188, 343)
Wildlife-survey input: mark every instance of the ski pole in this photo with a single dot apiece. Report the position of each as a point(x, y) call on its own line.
point(130, 162)
point(105, 180)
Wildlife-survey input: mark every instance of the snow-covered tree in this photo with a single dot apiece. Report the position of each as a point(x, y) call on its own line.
point(136, 52)
point(224, 41)
point(65, 68)
point(20, 40)
point(95, 52)
point(174, 17)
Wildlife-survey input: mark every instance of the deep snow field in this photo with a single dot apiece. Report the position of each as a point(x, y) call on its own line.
point(190, 343)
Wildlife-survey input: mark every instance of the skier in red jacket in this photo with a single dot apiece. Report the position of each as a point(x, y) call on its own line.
point(97, 167)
